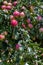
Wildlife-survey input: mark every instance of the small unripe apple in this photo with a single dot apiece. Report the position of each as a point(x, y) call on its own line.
point(9, 4)
point(16, 13)
point(8, 7)
point(23, 25)
point(15, 3)
point(28, 21)
point(5, 3)
point(17, 46)
point(42, 54)
point(22, 14)
point(4, 33)
point(3, 6)
point(11, 17)
point(39, 18)
point(30, 25)
point(41, 29)
point(2, 37)
point(23, 8)
point(14, 23)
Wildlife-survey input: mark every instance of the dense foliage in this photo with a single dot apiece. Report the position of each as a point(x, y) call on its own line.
point(21, 32)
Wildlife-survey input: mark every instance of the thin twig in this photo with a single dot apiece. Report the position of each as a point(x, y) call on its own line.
point(36, 62)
